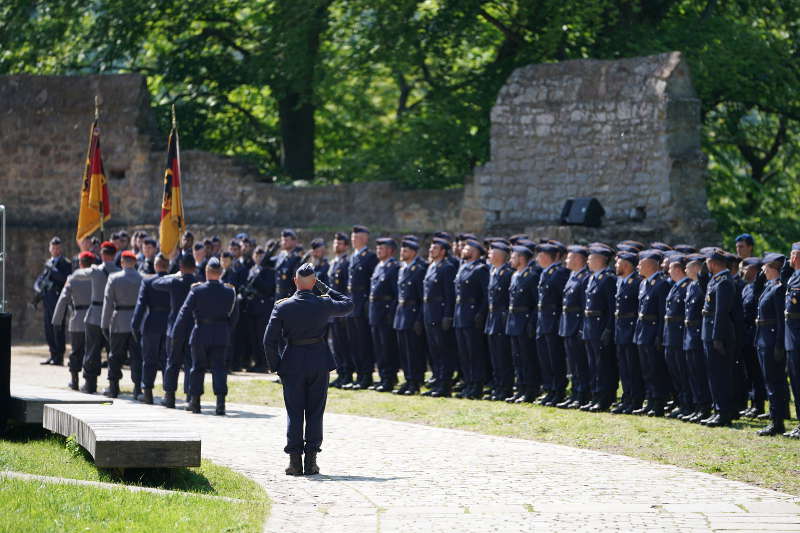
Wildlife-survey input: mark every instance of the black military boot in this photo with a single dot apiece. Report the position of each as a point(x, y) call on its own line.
point(169, 400)
point(89, 385)
point(295, 465)
point(220, 405)
point(310, 467)
point(73, 381)
point(113, 389)
point(147, 396)
point(194, 405)
point(137, 391)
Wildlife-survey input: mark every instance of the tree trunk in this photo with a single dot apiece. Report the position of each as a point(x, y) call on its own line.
point(296, 115)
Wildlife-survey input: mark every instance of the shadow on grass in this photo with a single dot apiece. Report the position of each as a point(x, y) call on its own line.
point(182, 479)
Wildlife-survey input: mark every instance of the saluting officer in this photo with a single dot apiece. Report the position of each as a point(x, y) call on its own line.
point(523, 293)
point(119, 301)
point(382, 305)
point(299, 323)
point(362, 264)
point(626, 300)
point(550, 346)
point(769, 337)
point(149, 327)
point(649, 332)
point(471, 287)
point(210, 311)
point(598, 329)
point(496, 321)
point(438, 303)
point(569, 328)
point(693, 341)
point(77, 295)
point(674, 332)
point(338, 276)
point(408, 317)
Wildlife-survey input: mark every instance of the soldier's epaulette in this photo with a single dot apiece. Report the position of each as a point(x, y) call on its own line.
point(279, 301)
point(229, 286)
point(324, 295)
point(196, 283)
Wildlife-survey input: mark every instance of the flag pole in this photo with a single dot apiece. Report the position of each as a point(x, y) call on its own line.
point(97, 118)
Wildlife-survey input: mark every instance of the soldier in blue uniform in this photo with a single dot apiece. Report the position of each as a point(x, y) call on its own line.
point(693, 342)
point(521, 325)
point(722, 324)
point(626, 310)
point(381, 309)
point(178, 356)
point(362, 264)
point(549, 345)
point(499, 345)
point(316, 256)
point(570, 327)
point(753, 386)
point(438, 306)
point(598, 329)
point(674, 332)
point(408, 317)
point(769, 337)
point(210, 312)
point(338, 276)
point(149, 327)
point(300, 324)
point(48, 286)
point(792, 330)
point(471, 285)
point(256, 298)
point(286, 264)
point(649, 332)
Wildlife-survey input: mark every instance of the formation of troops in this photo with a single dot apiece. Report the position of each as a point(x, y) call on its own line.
point(703, 336)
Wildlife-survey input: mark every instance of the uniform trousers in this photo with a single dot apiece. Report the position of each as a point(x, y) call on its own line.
point(575, 349)
point(526, 364)
point(754, 374)
point(773, 366)
point(630, 375)
point(56, 336)
point(602, 371)
point(77, 341)
point(94, 345)
point(793, 363)
point(411, 348)
point(255, 325)
point(122, 345)
point(384, 343)
point(698, 378)
point(305, 395)
point(178, 357)
point(361, 345)
point(719, 368)
point(345, 365)
point(654, 372)
point(154, 356)
point(208, 358)
point(471, 355)
point(502, 365)
point(556, 363)
point(442, 349)
point(679, 374)
point(543, 360)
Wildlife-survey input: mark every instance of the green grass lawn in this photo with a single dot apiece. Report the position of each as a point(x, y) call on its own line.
point(735, 453)
point(27, 505)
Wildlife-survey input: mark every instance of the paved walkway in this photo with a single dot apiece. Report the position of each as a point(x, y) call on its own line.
point(388, 476)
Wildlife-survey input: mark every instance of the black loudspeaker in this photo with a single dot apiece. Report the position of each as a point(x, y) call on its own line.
point(5, 369)
point(582, 212)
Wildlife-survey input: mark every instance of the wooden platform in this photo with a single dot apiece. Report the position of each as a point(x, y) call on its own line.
point(27, 401)
point(125, 435)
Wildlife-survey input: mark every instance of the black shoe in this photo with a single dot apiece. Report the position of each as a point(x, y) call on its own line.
point(587, 406)
point(599, 407)
point(112, 391)
point(336, 383)
point(619, 409)
point(656, 409)
point(89, 385)
point(258, 369)
point(557, 398)
point(719, 421)
point(169, 400)
point(348, 386)
point(220, 410)
point(48, 361)
point(137, 391)
point(402, 388)
point(643, 410)
point(194, 405)
point(73, 381)
point(440, 393)
point(712, 418)
point(310, 467)
point(412, 389)
point(544, 400)
point(513, 398)
point(566, 403)
point(674, 413)
point(295, 465)
point(771, 430)
point(793, 434)
point(147, 396)
point(104, 364)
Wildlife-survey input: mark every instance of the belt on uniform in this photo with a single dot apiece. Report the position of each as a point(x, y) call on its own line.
point(97, 303)
point(791, 315)
point(359, 288)
point(647, 317)
point(405, 302)
point(592, 313)
point(624, 315)
point(211, 320)
point(81, 307)
point(432, 299)
point(765, 321)
point(159, 309)
point(306, 342)
point(545, 307)
point(381, 298)
point(708, 313)
point(493, 308)
point(692, 322)
point(459, 300)
point(674, 318)
point(566, 309)
point(519, 309)
point(124, 307)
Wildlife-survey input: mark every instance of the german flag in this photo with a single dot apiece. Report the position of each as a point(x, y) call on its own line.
point(95, 208)
point(173, 223)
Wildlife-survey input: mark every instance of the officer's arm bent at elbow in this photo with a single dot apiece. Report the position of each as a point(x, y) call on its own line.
point(341, 305)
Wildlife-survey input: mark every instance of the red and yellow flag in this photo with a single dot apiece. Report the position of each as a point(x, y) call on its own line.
point(95, 208)
point(173, 223)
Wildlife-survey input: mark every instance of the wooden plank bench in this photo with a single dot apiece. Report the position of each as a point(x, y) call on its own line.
point(27, 401)
point(125, 435)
